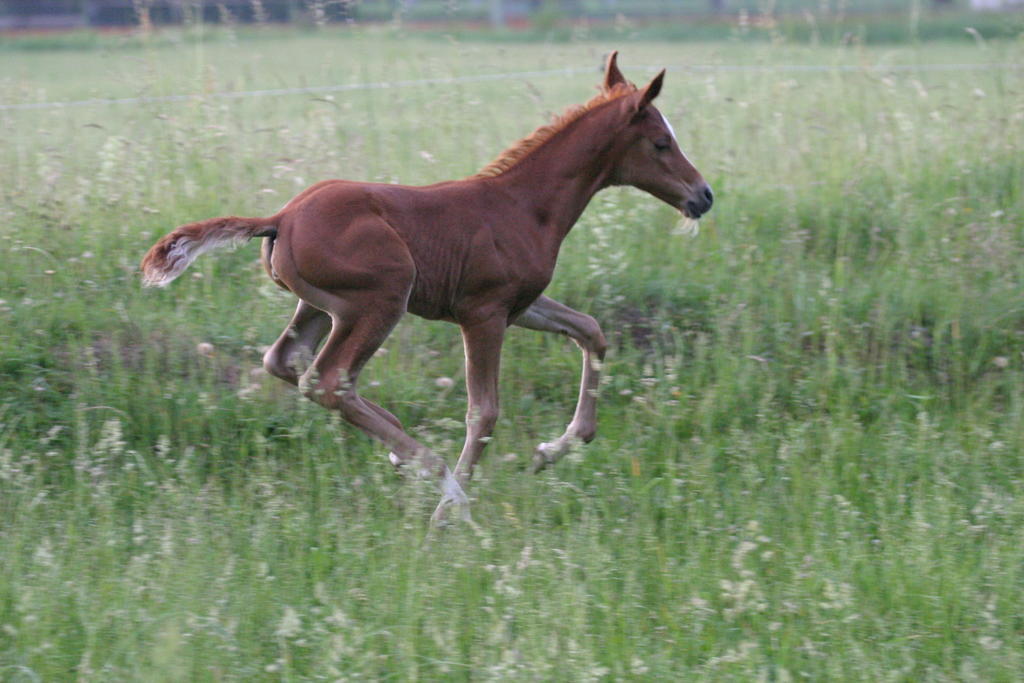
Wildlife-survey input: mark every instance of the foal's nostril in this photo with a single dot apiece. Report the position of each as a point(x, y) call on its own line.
point(709, 195)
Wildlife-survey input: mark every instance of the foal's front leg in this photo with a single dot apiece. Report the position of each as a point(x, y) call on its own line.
point(482, 343)
point(547, 315)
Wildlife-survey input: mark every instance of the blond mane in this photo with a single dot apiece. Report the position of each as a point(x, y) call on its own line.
point(519, 150)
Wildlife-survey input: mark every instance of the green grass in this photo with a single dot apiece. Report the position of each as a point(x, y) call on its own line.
point(809, 456)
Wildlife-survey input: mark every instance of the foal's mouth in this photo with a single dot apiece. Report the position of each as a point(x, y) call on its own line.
point(699, 203)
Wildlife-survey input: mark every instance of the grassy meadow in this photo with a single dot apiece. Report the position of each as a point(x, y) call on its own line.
point(809, 460)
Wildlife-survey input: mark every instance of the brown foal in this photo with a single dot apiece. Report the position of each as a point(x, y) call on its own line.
point(477, 252)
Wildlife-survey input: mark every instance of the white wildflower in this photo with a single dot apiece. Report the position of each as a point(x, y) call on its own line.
point(290, 624)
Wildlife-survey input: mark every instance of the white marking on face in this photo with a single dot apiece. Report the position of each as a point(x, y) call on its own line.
point(669, 126)
point(672, 132)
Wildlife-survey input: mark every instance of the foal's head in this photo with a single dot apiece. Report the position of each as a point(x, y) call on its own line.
point(647, 154)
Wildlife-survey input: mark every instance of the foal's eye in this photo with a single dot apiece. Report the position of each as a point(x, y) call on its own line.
point(661, 144)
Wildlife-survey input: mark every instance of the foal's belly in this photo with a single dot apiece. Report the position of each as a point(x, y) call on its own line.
point(429, 310)
point(512, 299)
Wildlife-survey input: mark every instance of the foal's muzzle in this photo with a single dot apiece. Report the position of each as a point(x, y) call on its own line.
point(701, 203)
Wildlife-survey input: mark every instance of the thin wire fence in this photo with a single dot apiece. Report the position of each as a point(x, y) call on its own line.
point(503, 76)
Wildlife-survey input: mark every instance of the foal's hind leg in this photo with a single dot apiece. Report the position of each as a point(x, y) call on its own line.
point(331, 382)
point(547, 315)
point(294, 350)
point(297, 344)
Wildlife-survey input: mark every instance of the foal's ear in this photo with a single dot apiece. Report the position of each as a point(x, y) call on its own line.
point(612, 75)
point(652, 90)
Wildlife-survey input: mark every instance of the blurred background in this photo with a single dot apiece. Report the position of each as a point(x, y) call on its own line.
point(520, 14)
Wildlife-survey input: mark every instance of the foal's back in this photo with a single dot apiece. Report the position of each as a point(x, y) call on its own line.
point(455, 242)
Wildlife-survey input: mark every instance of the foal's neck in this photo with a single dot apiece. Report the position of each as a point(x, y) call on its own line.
point(560, 177)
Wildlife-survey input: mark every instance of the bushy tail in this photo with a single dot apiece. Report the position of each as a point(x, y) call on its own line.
point(173, 253)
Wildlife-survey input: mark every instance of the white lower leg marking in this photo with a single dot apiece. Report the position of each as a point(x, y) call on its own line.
point(451, 491)
point(452, 494)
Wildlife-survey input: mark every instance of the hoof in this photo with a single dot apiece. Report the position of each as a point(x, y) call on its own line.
point(545, 454)
point(440, 523)
point(440, 518)
point(452, 497)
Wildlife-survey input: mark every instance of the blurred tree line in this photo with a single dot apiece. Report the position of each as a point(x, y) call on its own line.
point(498, 12)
